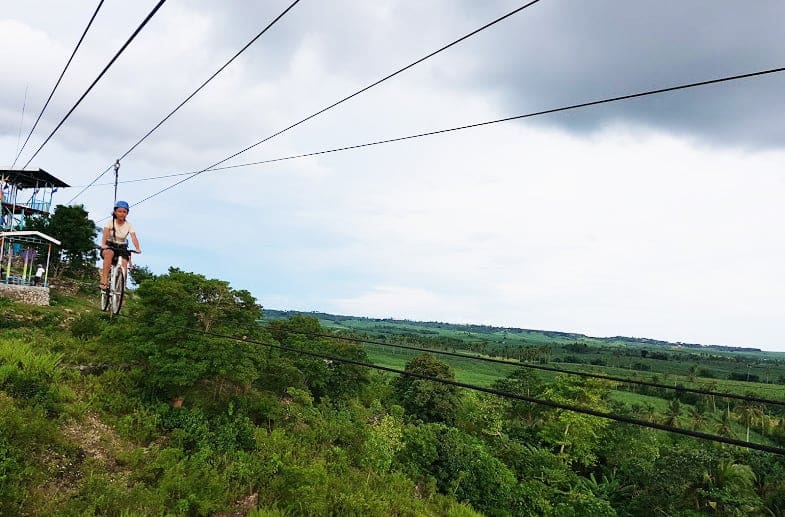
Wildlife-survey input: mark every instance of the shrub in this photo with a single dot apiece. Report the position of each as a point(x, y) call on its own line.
point(142, 425)
point(99, 494)
point(87, 325)
point(25, 433)
point(28, 375)
point(461, 465)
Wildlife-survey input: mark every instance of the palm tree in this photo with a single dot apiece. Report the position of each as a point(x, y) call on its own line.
point(749, 414)
point(731, 478)
point(651, 412)
point(712, 386)
point(673, 413)
point(696, 414)
point(724, 428)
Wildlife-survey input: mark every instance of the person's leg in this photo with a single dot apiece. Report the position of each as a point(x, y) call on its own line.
point(108, 255)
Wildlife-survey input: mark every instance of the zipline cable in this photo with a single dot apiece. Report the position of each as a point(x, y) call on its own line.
point(545, 368)
point(341, 101)
point(518, 364)
point(505, 394)
point(68, 63)
point(106, 68)
point(458, 128)
point(477, 335)
point(21, 123)
point(253, 40)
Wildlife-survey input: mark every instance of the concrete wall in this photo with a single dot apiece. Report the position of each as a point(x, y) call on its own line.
point(25, 294)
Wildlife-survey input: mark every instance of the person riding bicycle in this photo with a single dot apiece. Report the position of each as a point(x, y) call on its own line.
point(115, 240)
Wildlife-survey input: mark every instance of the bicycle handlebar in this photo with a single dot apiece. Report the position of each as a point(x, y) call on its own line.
point(101, 248)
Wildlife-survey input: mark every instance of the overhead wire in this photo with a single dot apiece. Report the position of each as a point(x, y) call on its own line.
point(529, 366)
point(570, 107)
point(188, 98)
point(54, 88)
point(477, 335)
point(504, 394)
point(547, 368)
point(458, 128)
point(21, 122)
point(344, 99)
point(95, 81)
point(519, 364)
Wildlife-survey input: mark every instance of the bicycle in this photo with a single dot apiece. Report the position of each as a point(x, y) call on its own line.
point(114, 293)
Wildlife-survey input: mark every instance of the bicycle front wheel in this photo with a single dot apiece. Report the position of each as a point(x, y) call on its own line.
point(104, 299)
point(118, 289)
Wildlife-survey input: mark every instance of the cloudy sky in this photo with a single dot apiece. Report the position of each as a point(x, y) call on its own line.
point(656, 217)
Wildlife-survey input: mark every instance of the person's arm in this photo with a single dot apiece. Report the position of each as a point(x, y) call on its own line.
point(136, 242)
point(105, 237)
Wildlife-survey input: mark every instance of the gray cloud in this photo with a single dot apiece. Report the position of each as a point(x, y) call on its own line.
point(560, 53)
point(511, 223)
point(552, 54)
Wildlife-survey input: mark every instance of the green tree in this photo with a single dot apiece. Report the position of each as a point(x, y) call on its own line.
point(577, 435)
point(696, 414)
point(176, 358)
point(481, 414)
point(729, 489)
point(71, 226)
point(712, 387)
point(462, 466)
point(724, 427)
point(625, 453)
point(427, 400)
point(673, 413)
point(769, 473)
point(670, 485)
point(522, 381)
point(323, 377)
point(384, 440)
point(650, 412)
point(139, 274)
point(749, 413)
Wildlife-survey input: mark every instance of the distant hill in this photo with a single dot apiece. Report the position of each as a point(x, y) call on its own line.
point(361, 323)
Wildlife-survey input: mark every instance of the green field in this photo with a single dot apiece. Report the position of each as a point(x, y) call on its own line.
point(716, 369)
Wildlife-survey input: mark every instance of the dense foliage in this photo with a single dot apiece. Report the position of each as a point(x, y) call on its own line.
point(72, 227)
point(188, 406)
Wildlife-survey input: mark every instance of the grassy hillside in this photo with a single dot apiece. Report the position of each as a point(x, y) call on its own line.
point(187, 405)
point(724, 369)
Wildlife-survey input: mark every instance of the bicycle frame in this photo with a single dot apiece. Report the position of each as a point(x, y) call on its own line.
point(112, 297)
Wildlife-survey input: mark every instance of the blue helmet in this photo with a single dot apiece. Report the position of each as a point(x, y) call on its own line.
point(122, 204)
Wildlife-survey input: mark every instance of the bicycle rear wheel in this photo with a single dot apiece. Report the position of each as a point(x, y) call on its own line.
point(105, 298)
point(118, 288)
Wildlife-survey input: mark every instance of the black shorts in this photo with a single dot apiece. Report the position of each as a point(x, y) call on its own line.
point(120, 250)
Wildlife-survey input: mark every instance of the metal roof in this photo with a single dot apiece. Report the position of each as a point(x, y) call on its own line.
point(31, 179)
point(30, 236)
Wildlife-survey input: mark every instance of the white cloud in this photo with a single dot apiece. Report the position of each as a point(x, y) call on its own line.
point(631, 229)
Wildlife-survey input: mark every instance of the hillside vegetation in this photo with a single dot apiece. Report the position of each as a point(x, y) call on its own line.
point(189, 405)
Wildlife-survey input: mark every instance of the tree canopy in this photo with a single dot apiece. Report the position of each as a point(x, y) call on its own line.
point(77, 233)
point(427, 400)
point(176, 358)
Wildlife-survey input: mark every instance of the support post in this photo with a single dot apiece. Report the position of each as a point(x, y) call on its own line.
point(25, 258)
point(2, 248)
point(10, 256)
point(46, 273)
